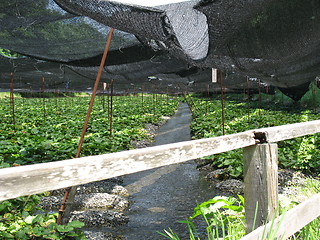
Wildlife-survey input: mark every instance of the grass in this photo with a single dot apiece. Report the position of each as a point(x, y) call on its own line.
point(225, 217)
point(310, 187)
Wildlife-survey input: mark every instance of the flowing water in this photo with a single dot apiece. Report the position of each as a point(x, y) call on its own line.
point(161, 197)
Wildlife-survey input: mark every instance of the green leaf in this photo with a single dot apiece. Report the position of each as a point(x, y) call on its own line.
point(29, 219)
point(64, 228)
point(21, 235)
point(76, 224)
point(37, 219)
point(6, 235)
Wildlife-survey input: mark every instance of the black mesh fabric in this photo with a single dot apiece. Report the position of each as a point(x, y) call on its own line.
point(43, 30)
point(276, 41)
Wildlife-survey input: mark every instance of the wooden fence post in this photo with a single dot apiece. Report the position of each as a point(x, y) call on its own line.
point(260, 184)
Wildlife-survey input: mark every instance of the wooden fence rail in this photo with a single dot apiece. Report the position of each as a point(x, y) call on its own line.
point(38, 178)
point(289, 223)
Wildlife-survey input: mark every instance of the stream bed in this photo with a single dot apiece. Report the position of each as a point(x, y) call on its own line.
point(161, 197)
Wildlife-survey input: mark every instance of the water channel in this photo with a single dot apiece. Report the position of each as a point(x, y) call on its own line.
point(161, 197)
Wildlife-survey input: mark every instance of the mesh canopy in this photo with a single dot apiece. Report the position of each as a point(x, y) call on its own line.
point(276, 41)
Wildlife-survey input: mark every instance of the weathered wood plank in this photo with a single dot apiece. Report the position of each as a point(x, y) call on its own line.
point(37, 178)
point(284, 132)
point(293, 220)
point(260, 184)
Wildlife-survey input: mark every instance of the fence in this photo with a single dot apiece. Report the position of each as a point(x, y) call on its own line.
point(260, 166)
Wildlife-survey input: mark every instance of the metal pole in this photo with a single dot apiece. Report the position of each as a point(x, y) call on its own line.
point(104, 85)
point(43, 100)
point(142, 96)
point(111, 107)
point(259, 83)
point(65, 210)
point(55, 96)
point(12, 99)
point(208, 95)
point(222, 103)
point(167, 94)
point(248, 99)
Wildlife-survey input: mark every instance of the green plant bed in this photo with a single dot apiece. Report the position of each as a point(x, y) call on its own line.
point(299, 153)
point(225, 216)
point(49, 129)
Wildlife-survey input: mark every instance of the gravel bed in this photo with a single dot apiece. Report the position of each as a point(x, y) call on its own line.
point(96, 218)
point(100, 203)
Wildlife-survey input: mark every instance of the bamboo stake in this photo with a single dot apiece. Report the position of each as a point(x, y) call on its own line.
point(70, 192)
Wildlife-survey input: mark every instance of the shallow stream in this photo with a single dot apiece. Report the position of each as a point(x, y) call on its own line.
point(163, 196)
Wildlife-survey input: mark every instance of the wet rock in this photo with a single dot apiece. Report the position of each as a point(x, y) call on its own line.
point(100, 200)
point(88, 201)
point(290, 177)
point(231, 185)
point(205, 165)
point(219, 174)
point(93, 235)
point(120, 191)
point(105, 186)
point(51, 203)
point(289, 182)
point(151, 130)
point(94, 218)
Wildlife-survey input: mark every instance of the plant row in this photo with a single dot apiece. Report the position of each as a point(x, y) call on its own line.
point(210, 119)
point(49, 129)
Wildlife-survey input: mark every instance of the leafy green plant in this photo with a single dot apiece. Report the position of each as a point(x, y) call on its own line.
point(224, 217)
point(18, 221)
point(299, 153)
point(35, 139)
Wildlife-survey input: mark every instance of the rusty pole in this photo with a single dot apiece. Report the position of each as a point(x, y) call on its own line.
point(142, 88)
point(12, 99)
point(259, 86)
point(104, 86)
point(248, 99)
point(208, 96)
point(111, 107)
point(222, 103)
point(43, 100)
point(314, 97)
point(55, 96)
point(71, 191)
point(167, 94)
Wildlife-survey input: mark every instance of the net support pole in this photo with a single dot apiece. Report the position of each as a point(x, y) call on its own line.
point(70, 192)
point(43, 100)
point(12, 100)
point(248, 98)
point(259, 87)
point(222, 104)
point(111, 108)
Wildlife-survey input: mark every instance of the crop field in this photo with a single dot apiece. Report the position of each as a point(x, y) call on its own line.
point(299, 153)
point(48, 129)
